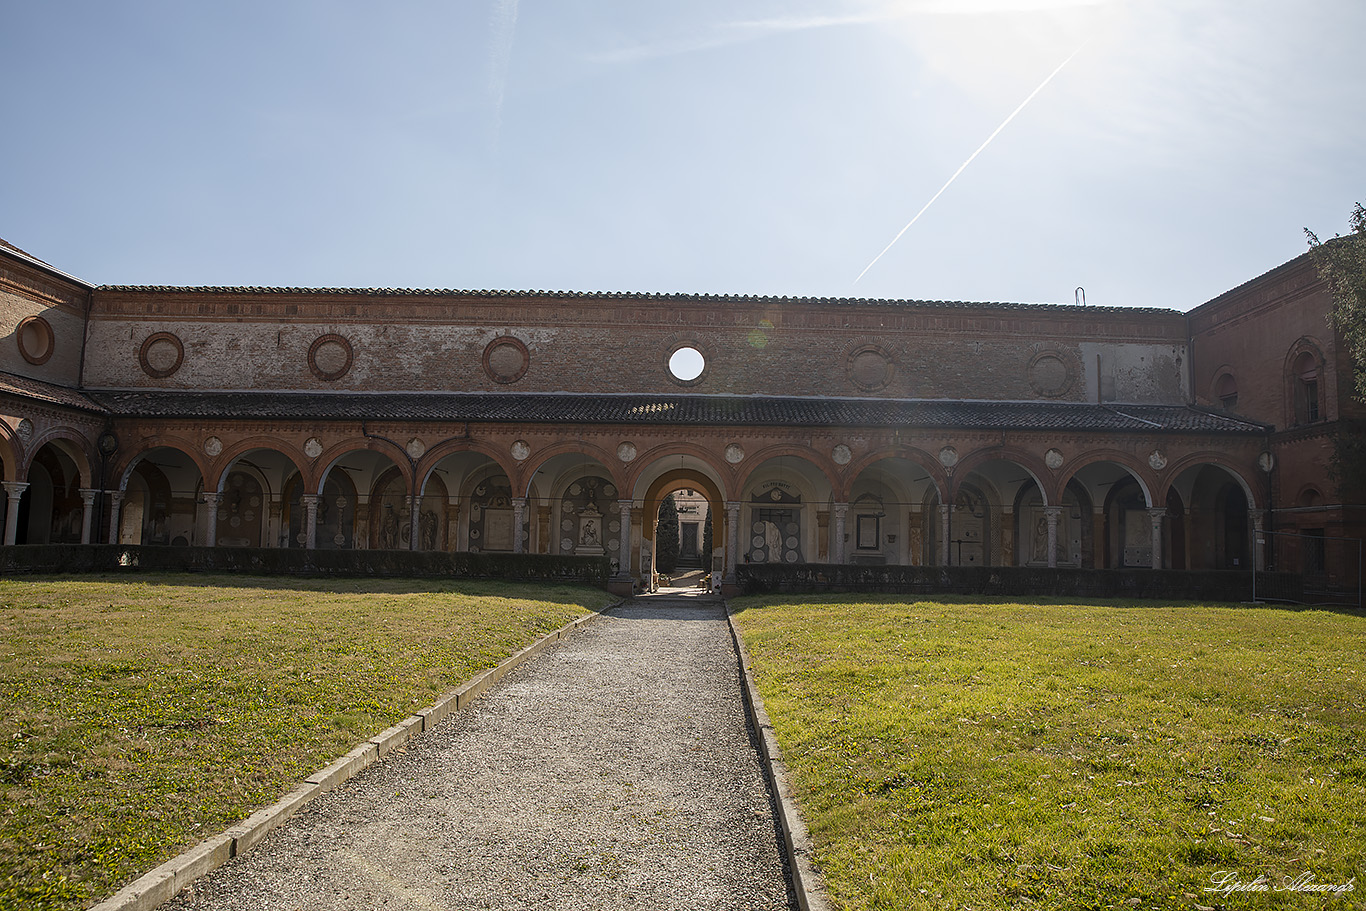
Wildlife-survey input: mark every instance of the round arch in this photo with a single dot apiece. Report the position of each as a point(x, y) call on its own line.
point(938, 477)
point(72, 443)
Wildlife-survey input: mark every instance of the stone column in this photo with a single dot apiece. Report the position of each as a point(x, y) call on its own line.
point(1258, 542)
point(414, 529)
point(1099, 543)
point(87, 512)
point(310, 501)
point(518, 517)
point(1051, 514)
point(13, 491)
point(115, 505)
point(211, 503)
point(838, 550)
point(1156, 514)
point(624, 543)
point(944, 534)
point(732, 538)
point(274, 533)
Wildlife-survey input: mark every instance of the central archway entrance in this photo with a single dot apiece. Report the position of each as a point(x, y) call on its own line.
point(704, 498)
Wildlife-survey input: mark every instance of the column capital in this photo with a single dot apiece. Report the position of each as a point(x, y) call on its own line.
point(1052, 512)
point(839, 509)
point(88, 495)
point(116, 496)
point(15, 488)
point(212, 499)
point(1157, 512)
point(310, 499)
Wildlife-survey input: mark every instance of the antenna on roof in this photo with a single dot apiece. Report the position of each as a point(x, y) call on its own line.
point(1079, 296)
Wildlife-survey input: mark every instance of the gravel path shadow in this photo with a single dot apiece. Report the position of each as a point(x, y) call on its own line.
point(613, 771)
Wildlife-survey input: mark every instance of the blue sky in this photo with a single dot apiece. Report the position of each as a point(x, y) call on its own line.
point(739, 147)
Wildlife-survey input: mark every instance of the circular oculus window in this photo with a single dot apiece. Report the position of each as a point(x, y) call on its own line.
point(686, 365)
point(506, 359)
point(330, 357)
point(35, 339)
point(161, 354)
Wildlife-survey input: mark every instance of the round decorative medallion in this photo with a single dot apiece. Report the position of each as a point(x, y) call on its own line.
point(415, 448)
point(520, 450)
point(313, 447)
point(35, 338)
point(1051, 374)
point(1053, 459)
point(841, 454)
point(948, 457)
point(735, 454)
point(1266, 462)
point(626, 452)
point(1156, 460)
point(869, 367)
point(24, 429)
point(506, 359)
point(330, 357)
point(213, 446)
point(108, 443)
point(161, 354)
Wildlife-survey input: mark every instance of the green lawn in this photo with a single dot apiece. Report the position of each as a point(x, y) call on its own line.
point(957, 754)
point(137, 717)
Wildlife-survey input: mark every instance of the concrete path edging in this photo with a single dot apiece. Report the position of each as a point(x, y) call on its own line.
point(806, 880)
point(162, 883)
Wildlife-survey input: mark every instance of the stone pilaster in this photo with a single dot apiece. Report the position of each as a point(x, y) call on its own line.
point(211, 503)
point(115, 507)
point(732, 538)
point(1051, 515)
point(310, 501)
point(14, 491)
point(518, 517)
point(87, 512)
point(1155, 515)
point(838, 551)
point(944, 511)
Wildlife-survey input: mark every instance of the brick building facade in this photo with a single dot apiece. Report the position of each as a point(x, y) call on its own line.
point(819, 431)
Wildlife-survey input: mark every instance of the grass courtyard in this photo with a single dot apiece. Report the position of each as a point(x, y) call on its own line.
point(959, 754)
point(139, 716)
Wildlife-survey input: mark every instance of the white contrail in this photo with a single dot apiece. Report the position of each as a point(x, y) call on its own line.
point(500, 56)
point(964, 165)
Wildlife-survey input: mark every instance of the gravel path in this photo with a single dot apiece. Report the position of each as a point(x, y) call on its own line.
point(613, 771)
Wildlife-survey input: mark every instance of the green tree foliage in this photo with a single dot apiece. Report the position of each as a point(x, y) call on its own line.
point(1342, 263)
point(667, 536)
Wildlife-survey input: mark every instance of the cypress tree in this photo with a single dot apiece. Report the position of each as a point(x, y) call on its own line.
point(667, 537)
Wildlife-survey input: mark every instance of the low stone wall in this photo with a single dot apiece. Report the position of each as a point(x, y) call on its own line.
point(69, 558)
point(1169, 584)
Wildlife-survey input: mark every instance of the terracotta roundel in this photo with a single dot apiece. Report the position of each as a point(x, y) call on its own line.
point(506, 359)
point(35, 338)
point(1051, 373)
point(330, 357)
point(161, 354)
point(869, 367)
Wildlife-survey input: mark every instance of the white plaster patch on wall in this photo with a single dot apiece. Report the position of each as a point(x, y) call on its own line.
point(1135, 373)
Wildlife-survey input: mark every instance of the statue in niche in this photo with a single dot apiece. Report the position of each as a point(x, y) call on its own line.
point(1041, 540)
point(427, 529)
point(589, 538)
point(388, 533)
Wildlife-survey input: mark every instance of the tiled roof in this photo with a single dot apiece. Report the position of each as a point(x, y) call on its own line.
point(767, 300)
point(554, 408)
point(46, 392)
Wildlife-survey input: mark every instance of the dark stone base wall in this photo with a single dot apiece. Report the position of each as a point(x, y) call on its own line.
point(101, 558)
point(1164, 584)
